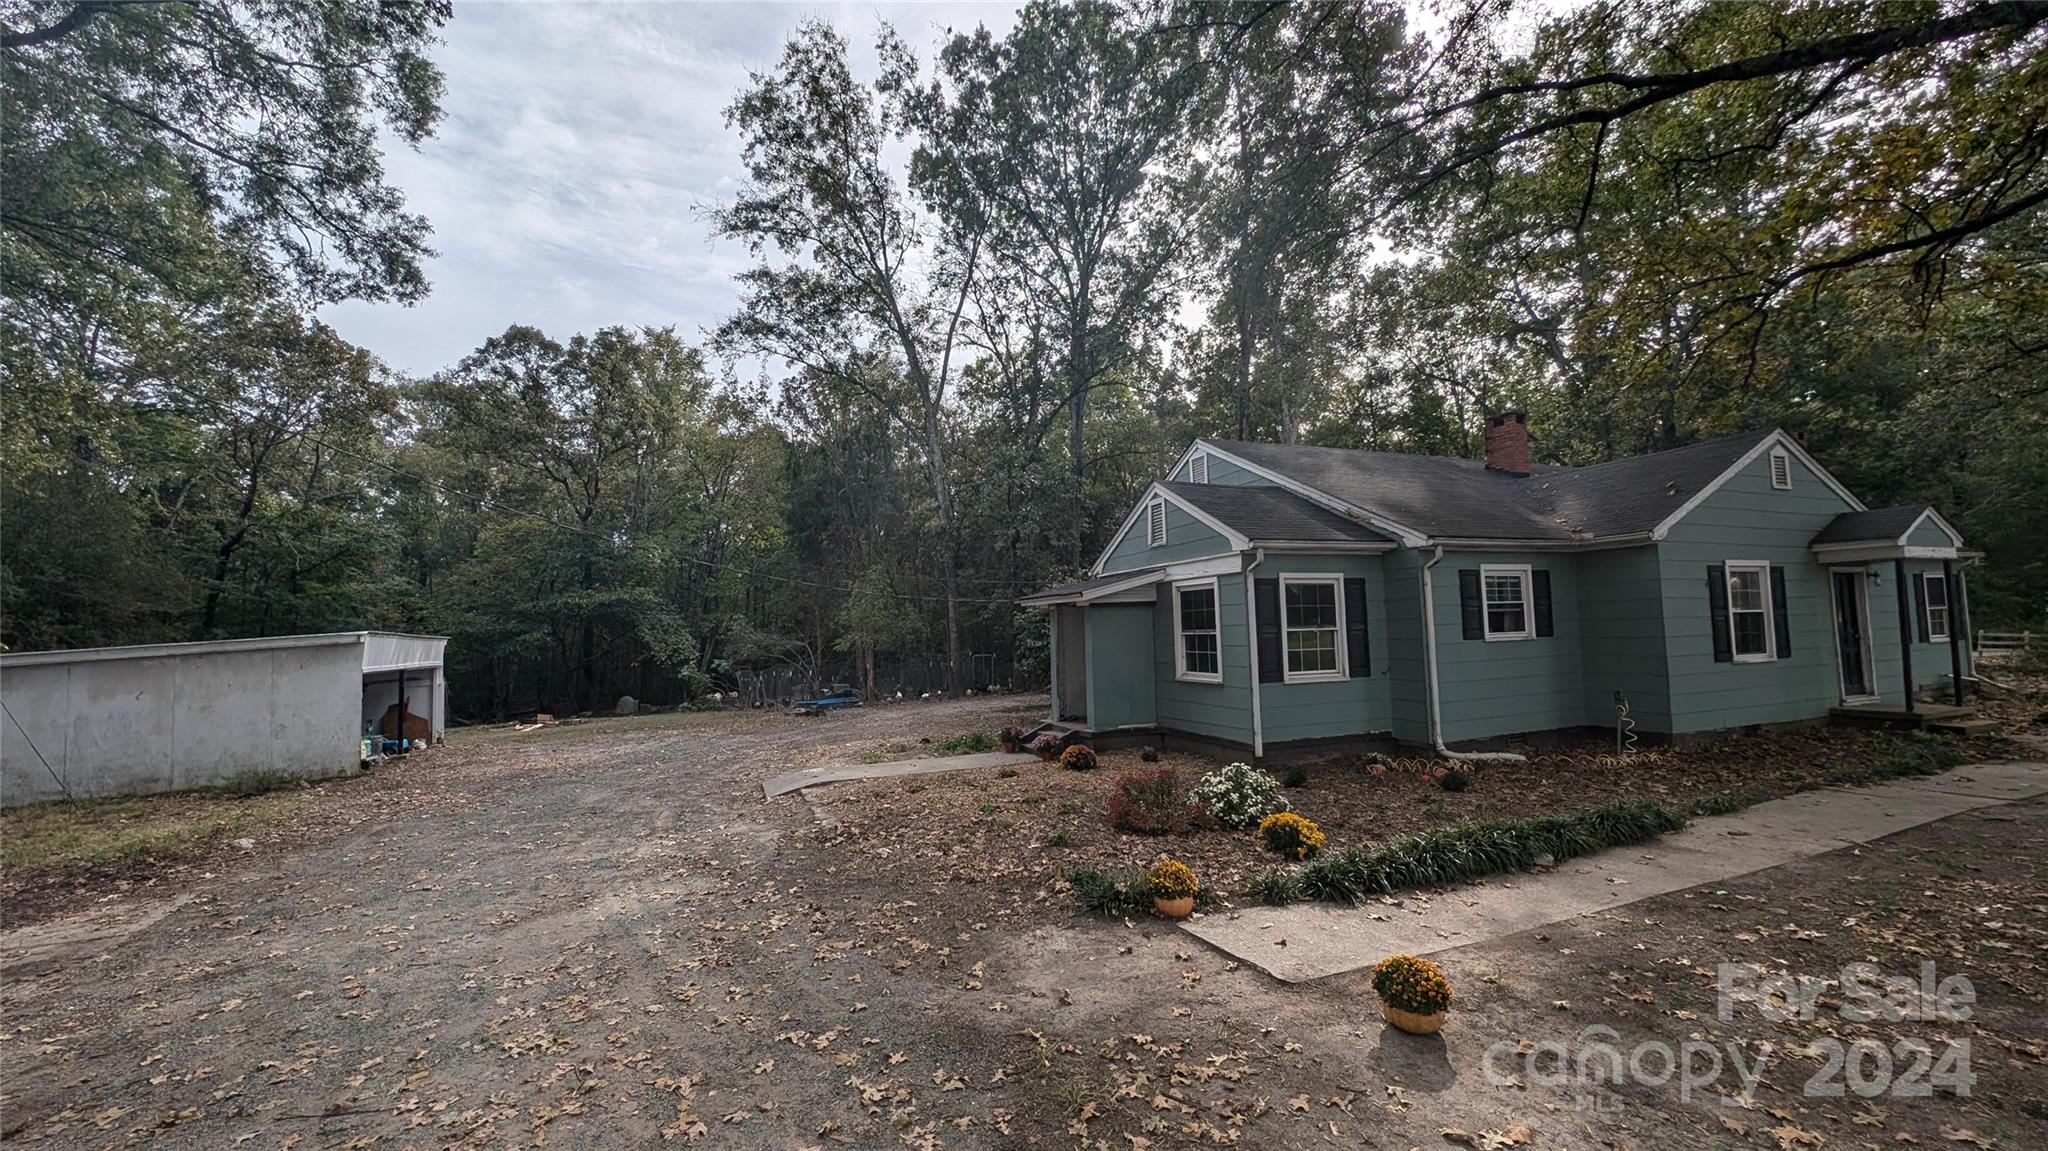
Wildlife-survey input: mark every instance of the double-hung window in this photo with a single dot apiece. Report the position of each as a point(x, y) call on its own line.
point(1506, 592)
point(1198, 651)
point(1312, 617)
point(1934, 593)
point(1749, 611)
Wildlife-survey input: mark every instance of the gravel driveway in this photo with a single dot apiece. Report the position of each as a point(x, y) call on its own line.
point(604, 937)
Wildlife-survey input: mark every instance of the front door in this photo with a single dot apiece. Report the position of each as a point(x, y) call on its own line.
point(1849, 638)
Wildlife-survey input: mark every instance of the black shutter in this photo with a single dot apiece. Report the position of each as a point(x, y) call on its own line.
point(1539, 581)
point(1717, 609)
point(1266, 601)
point(1920, 605)
point(1781, 611)
point(1469, 606)
point(1356, 639)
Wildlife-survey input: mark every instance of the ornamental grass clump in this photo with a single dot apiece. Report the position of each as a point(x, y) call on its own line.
point(1467, 851)
point(1171, 879)
point(1291, 835)
point(1239, 795)
point(1149, 803)
point(1079, 757)
point(1406, 983)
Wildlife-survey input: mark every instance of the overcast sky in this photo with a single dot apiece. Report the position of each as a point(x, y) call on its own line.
point(580, 145)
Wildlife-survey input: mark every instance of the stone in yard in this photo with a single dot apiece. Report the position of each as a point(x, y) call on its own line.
point(246, 844)
point(627, 706)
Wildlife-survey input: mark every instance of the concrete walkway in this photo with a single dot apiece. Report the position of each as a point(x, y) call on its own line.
point(1311, 941)
point(811, 777)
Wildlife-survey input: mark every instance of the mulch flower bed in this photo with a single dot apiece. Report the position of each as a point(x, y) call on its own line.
point(1027, 826)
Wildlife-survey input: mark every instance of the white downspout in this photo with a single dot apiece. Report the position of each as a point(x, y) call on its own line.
point(1251, 628)
point(1436, 736)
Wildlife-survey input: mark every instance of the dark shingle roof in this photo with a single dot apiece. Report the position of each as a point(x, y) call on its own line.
point(1462, 499)
point(1886, 524)
point(1083, 586)
point(1274, 514)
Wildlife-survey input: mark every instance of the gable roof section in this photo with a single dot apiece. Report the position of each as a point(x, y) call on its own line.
point(1881, 525)
point(1272, 515)
point(1449, 498)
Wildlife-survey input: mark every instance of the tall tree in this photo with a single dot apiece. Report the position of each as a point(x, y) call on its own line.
point(849, 284)
point(1063, 141)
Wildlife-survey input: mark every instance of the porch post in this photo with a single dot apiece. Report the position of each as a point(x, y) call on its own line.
point(1905, 632)
point(1955, 654)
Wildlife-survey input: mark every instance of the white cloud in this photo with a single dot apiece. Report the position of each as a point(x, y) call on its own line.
point(580, 145)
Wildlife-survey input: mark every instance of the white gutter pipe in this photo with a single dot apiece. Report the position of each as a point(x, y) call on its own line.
point(1436, 736)
point(1251, 620)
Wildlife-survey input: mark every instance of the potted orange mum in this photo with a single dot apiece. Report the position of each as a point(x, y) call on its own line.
point(1414, 995)
point(1173, 886)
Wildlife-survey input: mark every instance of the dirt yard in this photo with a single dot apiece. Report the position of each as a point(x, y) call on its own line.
point(602, 936)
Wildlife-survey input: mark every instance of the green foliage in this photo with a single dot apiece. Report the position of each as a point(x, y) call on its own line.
point(1454, 779)
point(1719, 804)
point(1120, 892)
point(972, 743)
point(1467, 851)
point(1276, 888)
point(1295, 776)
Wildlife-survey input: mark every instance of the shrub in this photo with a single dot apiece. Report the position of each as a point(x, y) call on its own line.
point(1148, 803)
point(972, 743)
point(1288, 834)
point(1297, 776)
point(1276, 888)
point(1406, 983)
point(1171, 879)
point(1469, 850)
point(1239, 795)
point(1149, 755)
point(1456, 779)
point(1109, 893)
point(1079, 757)
point(1045, 745)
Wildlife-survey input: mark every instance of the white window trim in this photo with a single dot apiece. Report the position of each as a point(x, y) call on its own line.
point(1526, 573)
point(1155, 540)
point(1288, 675)
point(1927, 606)
point(1180, 646)
point(1763, 570)
point(1781, 460)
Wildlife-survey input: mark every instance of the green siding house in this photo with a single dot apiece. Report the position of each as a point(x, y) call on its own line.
point(1268, 597)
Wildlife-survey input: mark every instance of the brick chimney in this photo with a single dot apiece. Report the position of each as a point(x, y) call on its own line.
point(1507, 443)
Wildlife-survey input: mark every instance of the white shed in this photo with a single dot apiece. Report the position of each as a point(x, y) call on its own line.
point(170, 716)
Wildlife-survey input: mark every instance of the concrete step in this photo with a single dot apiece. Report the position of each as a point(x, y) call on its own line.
point(1965, 727)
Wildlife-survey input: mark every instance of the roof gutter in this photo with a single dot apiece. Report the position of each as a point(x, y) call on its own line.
point(1436, 726)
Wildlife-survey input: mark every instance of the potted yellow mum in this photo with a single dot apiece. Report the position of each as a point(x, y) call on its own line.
point(1172, 885)
point(1414, 995)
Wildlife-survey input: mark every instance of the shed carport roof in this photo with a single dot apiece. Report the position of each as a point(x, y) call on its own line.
point(1082, 591)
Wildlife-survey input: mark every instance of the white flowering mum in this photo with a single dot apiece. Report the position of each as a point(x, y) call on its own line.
point(1239, 795)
